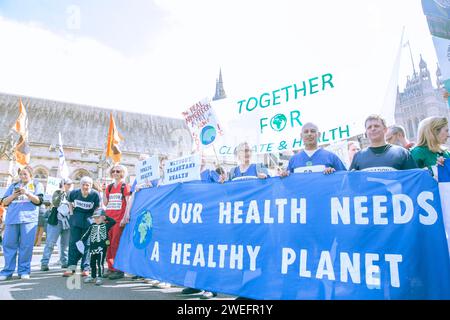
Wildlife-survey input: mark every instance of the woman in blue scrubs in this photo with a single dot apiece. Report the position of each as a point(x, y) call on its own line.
point(23, 199)
point(245, 169)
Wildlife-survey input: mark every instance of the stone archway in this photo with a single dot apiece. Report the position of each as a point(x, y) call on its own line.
point(41, 173)
point(78, 174)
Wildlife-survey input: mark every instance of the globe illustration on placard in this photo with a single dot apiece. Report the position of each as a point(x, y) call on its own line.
point(278, 122)
point(208, 135)
point(142, 233)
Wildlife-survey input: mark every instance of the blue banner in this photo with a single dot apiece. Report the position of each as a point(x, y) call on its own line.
point(444, 171)
point(348, 235)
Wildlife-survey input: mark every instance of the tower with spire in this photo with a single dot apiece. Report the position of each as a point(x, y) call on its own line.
point(419, 100)
point(220, 91)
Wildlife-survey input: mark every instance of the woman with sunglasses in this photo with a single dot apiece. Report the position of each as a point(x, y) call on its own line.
point(117, 196)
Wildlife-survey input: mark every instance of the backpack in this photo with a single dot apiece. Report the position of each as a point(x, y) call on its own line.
point(122, 188)
point(53, 217)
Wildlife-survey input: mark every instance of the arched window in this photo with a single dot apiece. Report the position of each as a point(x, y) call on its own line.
point(80, 173)
point(40, 173)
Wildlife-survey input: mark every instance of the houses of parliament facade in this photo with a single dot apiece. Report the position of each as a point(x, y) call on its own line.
point(84, 132)
point(420, 99)
point(84, 129)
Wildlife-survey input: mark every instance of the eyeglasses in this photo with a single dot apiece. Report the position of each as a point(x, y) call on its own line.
point(116, 171)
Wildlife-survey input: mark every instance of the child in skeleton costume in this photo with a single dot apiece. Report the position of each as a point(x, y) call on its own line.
point(96, 238)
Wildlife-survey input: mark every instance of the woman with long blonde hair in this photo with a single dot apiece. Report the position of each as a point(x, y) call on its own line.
point(430, 149)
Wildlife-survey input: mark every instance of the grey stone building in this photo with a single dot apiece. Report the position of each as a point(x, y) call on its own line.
point(84, 132)
point(419, 100)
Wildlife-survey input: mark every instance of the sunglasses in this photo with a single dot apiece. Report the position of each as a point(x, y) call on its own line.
point(116, 171)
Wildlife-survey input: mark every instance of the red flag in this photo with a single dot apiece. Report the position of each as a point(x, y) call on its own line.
point(114, 137)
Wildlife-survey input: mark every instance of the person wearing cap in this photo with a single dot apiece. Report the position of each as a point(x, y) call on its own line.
point(97, 242)
point(62, 229)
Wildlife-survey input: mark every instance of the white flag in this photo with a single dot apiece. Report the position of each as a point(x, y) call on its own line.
point(63, 169)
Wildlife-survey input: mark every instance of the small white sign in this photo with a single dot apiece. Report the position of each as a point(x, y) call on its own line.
point(147, 170)
point(182, 169)
point(115, 201)
point(52, 185)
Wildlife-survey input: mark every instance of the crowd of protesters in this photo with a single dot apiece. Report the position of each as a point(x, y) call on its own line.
point(88, 221)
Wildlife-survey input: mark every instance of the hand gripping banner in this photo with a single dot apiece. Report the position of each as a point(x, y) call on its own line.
point(349, 235)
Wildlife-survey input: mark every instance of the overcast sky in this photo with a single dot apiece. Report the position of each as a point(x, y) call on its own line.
point(161, 56)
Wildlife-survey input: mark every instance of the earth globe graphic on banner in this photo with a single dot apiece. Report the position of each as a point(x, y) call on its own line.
point(142, 233)
point(278, 122)
point(208, 135)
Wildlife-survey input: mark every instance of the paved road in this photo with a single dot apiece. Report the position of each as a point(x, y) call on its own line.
point(51, 285)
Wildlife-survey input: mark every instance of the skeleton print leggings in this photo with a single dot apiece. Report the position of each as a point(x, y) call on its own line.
point(98, 256)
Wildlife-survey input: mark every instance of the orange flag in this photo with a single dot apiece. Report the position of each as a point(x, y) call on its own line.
point(114, 137)
point(22, 151)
